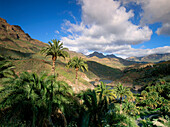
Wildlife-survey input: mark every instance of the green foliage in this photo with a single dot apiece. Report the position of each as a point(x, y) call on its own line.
point(106, 91)
point(155, 96)
point(104, 71)
point(6, 69)
point(29, 96)
point(95, 105)
point(123, 92)
point(130, 108)
point(78, 63)
point(55, 49)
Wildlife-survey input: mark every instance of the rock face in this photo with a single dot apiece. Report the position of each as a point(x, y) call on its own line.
point(13, 31)
point(13, 37)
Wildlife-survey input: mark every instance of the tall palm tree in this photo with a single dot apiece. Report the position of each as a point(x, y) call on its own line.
point(55, 49)
point(77, 63)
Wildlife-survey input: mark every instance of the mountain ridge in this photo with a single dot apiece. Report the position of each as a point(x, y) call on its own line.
point(157, 57)
point(100, 55)
point(13, 37)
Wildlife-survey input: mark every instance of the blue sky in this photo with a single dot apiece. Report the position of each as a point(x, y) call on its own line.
point(133, 28)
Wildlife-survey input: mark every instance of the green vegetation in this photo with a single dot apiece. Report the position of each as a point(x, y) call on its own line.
point(77, 63)
point(55, 50)
point(35, 98)
point(104, 71)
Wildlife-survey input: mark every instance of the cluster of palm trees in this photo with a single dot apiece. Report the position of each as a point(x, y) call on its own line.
point(56, 49)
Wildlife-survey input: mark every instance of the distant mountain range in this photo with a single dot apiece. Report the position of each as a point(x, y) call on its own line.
point(100, 55)
point(151, 58)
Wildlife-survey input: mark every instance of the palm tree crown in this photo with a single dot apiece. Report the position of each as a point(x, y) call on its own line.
point(77, 63)
point(55, 49)
point(123, 92)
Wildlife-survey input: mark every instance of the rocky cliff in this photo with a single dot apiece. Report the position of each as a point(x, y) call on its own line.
point(14, 38)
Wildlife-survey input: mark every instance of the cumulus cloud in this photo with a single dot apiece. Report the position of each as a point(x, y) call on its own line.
point(165, 29)
point(105, 27)
point(154, 11)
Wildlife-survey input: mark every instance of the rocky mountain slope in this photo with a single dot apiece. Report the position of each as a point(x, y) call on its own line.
point(12, 37)
point(151, 58)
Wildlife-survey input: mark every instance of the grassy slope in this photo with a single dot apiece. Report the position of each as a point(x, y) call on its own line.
point(104, 71)
point(42, 66)
point(14, 54)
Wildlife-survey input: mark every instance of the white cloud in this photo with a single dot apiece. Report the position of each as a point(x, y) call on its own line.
point(105, 27)
point(154, 11)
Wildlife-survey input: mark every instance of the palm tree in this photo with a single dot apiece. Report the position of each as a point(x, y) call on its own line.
point(106, 91)
point(28, 98)
point(6, 69)
point(55, 49)
point(95, 106)
point(130, 108)
point(122, 92)
point(144, 93)
point(77, 63)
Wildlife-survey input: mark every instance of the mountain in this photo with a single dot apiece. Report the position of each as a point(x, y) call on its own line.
point(151, 58)
point(13, 38)
point(97, 54)
point(110, 60)
point(100, 55)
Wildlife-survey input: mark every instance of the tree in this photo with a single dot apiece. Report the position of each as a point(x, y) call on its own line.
point(144, 93)
point(95, 106)
point(122, 93)
point(77, 63)
point(28, 98)
point(106, 91)
point(6, 69)
point(130, 108)
point(55, 49)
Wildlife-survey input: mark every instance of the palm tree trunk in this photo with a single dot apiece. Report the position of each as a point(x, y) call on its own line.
point(53, 67)
point(121, 105)
point(76, 75)
point(64, 118)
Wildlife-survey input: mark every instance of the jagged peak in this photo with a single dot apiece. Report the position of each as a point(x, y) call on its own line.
point(3, 20)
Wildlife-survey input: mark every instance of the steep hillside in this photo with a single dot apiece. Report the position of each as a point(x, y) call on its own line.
point(12, 37)
point(151, 58)
point(141, 74)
